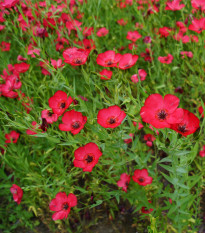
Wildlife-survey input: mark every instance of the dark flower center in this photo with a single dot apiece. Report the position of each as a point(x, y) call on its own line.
point(126, 66)
point(49, 114)
point(76, 125)
point(141, 179)
point(200, 29)
point(78, 61)
point(112, 121)
point(182, 128)
point(162, 115)
point(89, 158)
point(109, 63)
point(63, 105)
point(126, 183)
point(65, 206)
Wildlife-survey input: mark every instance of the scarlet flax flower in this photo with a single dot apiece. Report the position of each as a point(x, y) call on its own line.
point(12, 137)
point(188, 125)
point(142, 74)
point(49, 116)
point(110, 117)
point(127, 61)
point(198, 4)
point(202, 152)
point(86, 157)
point(145, 210)
point(133, 36)
point(174, 5)
point(129, 140)
point(108, 58)
point(168, 59)
point(17, 193)
point(124, 181)
point(197, 25)
point(73, 121)
point(5, 46)
point(62, 204)
point(201, 111)
point(141, 177)
point(161, 113)
point(102, 32)
point(75, 56)
point(106, 74)
point(59, 102)
point(149, 138)
point(22, 67)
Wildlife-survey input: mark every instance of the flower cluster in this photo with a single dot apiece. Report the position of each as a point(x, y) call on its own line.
point(164, 113)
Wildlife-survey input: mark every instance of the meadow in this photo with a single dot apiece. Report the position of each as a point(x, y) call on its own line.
point(102, 116)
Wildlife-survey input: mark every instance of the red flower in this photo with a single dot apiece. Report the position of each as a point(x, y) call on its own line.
point(202, 152)
point(145, 210)
point(88, 31)
point(73, 121)
point(122, 22)
point(188, 125)
point(57, 64)
point(102, 32)
point(131, 46)
point(165, 31)
point(9, 3)
point(198, 4)
point(87, 156)
point(140, 125)
point(7, 89)
point(149, 138)
point(2, 27)
point(141, 177)
point(49, 116)
point(147, 55)
point(187, 54)
point(106, 74)
point(181, 37)
point(127, 61)
point(75, 56)
point(174, 5)
point(22, 67)
point(110, 117)
point(12, 137)
point(198, 25)
point(147, 40)
point(133, 36)
point(89, 44)
point(129, 140)
point(108, 58)
point(4, 46)
point(17, 193)
point(161, 113)
point(168, 59)
point(34, 126)
point(124, 181)
point(201, 111)
point(62, 205)
point(59, 102)
point(142, 74)
point(182, 27)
